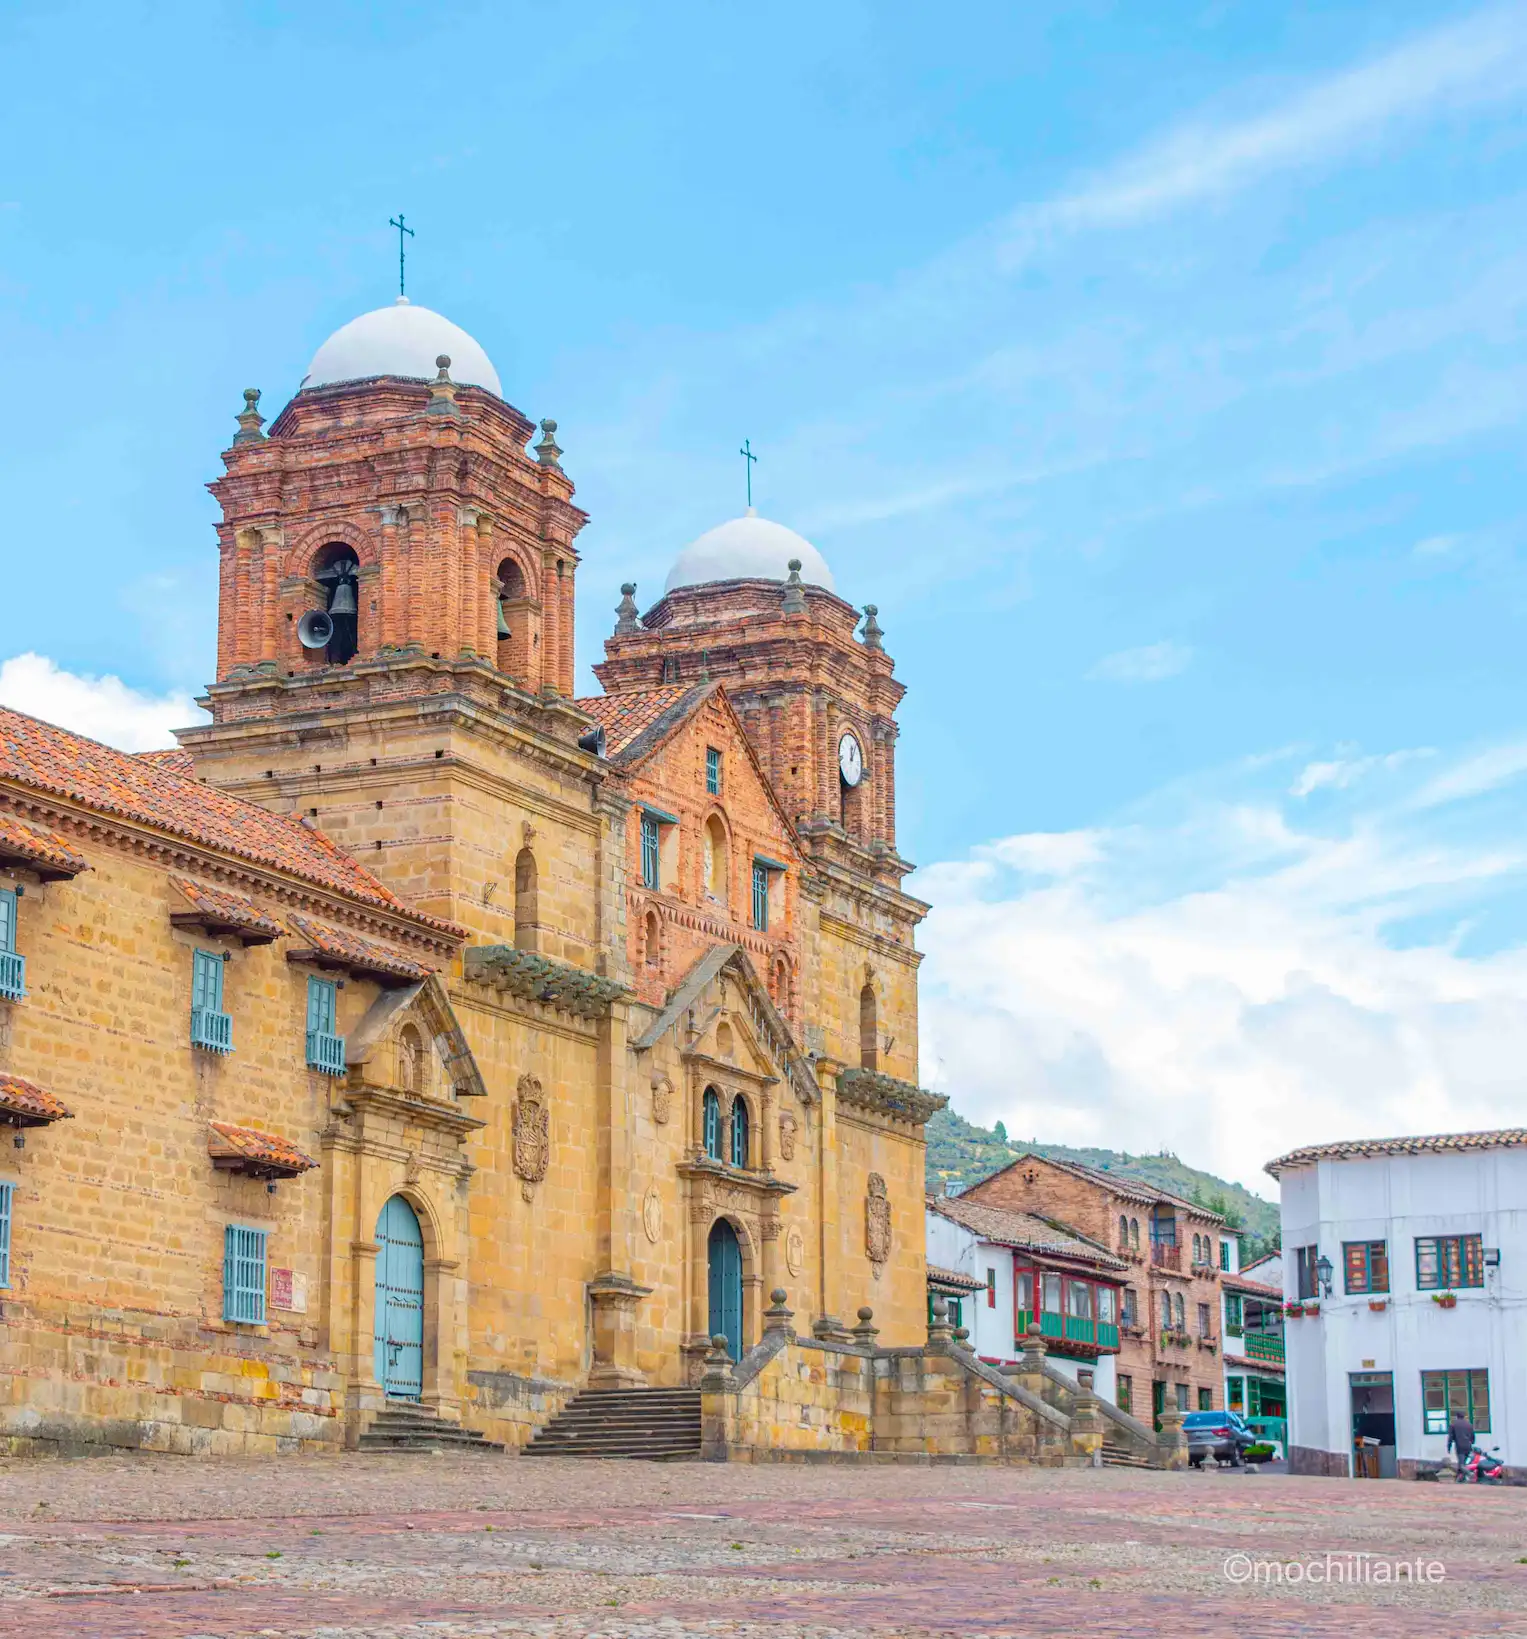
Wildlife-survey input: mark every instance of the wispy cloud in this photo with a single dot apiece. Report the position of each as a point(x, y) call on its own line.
point(104, 708)
point(1340, 772)
point(1152, 663)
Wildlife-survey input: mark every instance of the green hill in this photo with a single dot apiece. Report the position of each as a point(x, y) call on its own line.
point(961, 1152)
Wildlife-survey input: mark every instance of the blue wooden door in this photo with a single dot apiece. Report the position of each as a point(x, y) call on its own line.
point(400, 1301)
point(726, 1286)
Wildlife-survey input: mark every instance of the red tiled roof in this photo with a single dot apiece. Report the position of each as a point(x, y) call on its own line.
point(217, 908)
point(1131, 1188)
point(339, 948)
point(952, 1277)
point(1359, 1149)
point(175, 760)
point(27, 1105)
point(1257, 1288)
point(242, 1148)
point(20, 839)
point(1009, 1227)
point(154, 790)
point(1255, 1365)
point(625, 717)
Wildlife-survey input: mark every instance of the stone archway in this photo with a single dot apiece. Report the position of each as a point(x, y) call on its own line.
point(398, 1313)
point(723, 1257)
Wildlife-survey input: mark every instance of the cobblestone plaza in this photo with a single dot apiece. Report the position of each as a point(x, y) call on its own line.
point(392, 1547)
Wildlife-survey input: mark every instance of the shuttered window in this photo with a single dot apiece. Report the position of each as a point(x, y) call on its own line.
point(321, 1006)
point(711, 1108)
point(7, 919)
point(6, 1193)
point(650, 870)
point(713, 771)
point(244, 1275)
point(206, 981)
point(761, 898)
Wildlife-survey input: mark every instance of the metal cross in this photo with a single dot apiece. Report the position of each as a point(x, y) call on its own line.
point(397, 222)
point(747, 454)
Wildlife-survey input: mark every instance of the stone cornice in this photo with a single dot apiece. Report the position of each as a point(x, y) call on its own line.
point(540, 979)
point(885, 1095)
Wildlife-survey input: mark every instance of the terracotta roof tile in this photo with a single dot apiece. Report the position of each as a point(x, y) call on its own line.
point(153, 789)
point(340, 948)
point(263, 1154)
point(175, 760)
point(625, 717)
point(24, 1104)
point(952, 1277)
point(1358, 1149)
point(1256, 1365)
point(217, 909)
point(1009, 1227)
point(1257, 1288)
point(40, 847)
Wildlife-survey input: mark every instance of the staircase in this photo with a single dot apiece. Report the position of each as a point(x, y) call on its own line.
point(405, 1426)
point(661, 1425)
point(1117, 1455)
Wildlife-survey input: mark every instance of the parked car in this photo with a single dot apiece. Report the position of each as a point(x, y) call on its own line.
point(1222, 1435)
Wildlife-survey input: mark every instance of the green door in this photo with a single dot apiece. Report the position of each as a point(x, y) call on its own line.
point(1158, 1403)
point(725, 1257)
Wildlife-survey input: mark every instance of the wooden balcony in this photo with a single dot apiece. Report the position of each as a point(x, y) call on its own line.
point(1164, 1256)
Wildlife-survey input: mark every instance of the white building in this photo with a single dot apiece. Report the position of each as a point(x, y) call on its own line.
point(1018, 1267)
point(1405, 1288)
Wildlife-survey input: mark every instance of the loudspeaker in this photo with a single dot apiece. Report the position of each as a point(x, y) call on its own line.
point(315, 629)
point(593, 740)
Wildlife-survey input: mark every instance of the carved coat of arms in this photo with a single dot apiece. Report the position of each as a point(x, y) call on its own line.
point(787, 1137)
point(532, 1133)
point(662, 1100)
point(877, 1221)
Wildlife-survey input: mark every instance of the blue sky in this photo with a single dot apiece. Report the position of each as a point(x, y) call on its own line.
point(1158, 371)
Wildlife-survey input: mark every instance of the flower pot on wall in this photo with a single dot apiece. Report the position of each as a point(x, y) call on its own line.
point(1445, 1300)
point(1378, 1305)
point(1294, 1309)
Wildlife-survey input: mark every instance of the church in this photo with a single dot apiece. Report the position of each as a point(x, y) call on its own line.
point(419, 1033)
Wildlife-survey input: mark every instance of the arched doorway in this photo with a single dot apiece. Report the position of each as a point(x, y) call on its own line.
point(724, 1255)
point(400, 1301)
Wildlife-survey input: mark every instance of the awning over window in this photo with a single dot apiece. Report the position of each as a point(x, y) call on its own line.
point(39, 849)
point(24, 1105)
point(217, 911)
point(255, 1154)
point(951, 1282)
point(331, 947)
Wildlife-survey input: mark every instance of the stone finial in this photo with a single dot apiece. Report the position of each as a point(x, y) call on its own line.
point(250, 420)
point(716, 1376)
point(866, 1331)
point(1084, 1380)
point(961, 1336)
point(625, 611)
point(442, 390)
point(777, 1317)
point(795, 592)
point(1034, 1345)
point(939, 1329)
point(872, 628)
point(548, 452)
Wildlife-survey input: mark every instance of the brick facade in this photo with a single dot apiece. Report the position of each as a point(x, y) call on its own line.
point(1154, 1358)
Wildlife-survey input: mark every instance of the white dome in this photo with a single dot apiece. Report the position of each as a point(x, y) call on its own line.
point(401, 340)
point(748, 548)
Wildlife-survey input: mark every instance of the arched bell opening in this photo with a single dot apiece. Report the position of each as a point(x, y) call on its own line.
point(332, 631)
point(517, 623)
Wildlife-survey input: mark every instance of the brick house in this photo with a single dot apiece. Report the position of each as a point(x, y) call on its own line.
point(1177, 1252)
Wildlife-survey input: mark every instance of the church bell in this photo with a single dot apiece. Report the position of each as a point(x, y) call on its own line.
point(344, 599)
point(503, 625)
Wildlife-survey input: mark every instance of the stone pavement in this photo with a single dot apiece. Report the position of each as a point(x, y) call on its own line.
point(483, 1547)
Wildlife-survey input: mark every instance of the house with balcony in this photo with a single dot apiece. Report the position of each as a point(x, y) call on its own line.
point(1252, 1327)
point(1175, 1254)
point(1406, 1300)
point(1006, 1269)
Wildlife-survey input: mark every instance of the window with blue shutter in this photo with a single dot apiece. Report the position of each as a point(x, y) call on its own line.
point(739, 1133)
point(711, 1109)
point(211, 1027)
point(13, 967)
point(326, 1047)
point(650, 866)
point(6, 1192)
point(713, 771)
point(760, 897)
point(244, 1275)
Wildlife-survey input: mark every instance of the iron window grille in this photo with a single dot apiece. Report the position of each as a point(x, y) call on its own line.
point(244, 1275)
point(651, 857)
point(712, 771)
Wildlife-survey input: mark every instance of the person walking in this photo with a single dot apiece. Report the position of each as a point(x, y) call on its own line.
point(1460, 1439)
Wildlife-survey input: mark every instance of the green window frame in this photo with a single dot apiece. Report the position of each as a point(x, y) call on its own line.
point(13, 968)
point(323, 1005)
point(244, 1252)
point(739, 1133)
point(1124, 1393)
point(956, 1308)
point(207, 981)
point(1206, 1399)
point(7, 1192)
point(712, 771)
point(710, 1107)
point(651, 853)
point(1447, 1261)
point(760, 897)
point(1224, 1257)
point(1366, 1265)
point(8, 920)
point(1235, 1312)
point(1446, 1394)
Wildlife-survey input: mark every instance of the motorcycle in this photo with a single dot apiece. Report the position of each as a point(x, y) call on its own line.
point(1483, 1467)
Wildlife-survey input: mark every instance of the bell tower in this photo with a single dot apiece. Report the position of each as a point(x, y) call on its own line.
point(395, 624)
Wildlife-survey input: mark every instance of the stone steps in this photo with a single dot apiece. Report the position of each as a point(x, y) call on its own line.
point(405, 1426)
point(658, 1425)
point(1117, 1456)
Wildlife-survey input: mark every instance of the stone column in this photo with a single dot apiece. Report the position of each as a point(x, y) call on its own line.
point(364, 1396)
point(1086, 1424)
point(439, 1385)
point(829, 1211)
point(615, 1299)
point(1171, 1440)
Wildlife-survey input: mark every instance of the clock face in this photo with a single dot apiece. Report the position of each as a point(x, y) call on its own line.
point(850, 760)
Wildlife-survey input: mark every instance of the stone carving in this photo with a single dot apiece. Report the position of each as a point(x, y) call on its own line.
point(877, 1222)
point(787, 1137)
point(662, 1100)
point(532, 1134)
point(795, 1250)
point(652, 1215)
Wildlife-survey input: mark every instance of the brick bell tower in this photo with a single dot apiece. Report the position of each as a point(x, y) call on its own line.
point(397, 572)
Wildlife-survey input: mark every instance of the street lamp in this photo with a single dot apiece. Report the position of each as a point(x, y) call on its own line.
point(1323, 1272)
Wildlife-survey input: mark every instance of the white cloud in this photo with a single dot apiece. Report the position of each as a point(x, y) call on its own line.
point(1131, 1005)
point(1152, 663)
point(1047, 853)
point(104, 708)
point(1338, 773)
